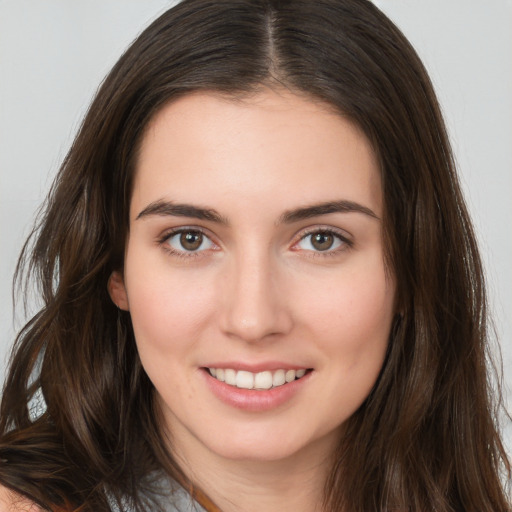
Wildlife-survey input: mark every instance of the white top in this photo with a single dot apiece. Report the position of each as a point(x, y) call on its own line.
point(173, 499)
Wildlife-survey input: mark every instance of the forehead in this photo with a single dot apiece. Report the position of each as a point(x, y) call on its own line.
point(206, 145)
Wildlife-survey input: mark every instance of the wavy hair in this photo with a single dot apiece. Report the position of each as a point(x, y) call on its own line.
point(426, 437)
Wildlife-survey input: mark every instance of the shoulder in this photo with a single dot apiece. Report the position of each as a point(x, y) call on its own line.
point(12, 502)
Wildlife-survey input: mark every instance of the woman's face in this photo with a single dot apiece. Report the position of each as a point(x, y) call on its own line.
point(255, 274)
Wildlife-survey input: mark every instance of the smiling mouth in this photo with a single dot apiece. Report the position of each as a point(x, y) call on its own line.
point(258, 381)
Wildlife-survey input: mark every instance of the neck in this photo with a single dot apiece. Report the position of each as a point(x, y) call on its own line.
point(295, 483)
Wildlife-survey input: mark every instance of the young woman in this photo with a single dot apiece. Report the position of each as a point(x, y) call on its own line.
point(261, 285)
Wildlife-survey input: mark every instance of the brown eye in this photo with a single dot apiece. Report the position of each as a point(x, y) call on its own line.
point(191, 240)
point(188, 241)
point(322, 241)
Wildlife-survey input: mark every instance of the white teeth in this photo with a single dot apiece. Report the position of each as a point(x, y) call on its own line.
point(290, 375)
point(244, 380)
point(230, 377)
point(279, 378)
point(262, 380)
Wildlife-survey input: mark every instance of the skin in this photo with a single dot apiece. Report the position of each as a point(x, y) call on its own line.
point(12, 502)
point(257, 290)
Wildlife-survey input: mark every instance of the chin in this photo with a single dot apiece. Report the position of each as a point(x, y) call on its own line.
point(260, 445)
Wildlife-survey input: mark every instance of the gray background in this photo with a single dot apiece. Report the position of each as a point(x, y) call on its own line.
point(54, 53)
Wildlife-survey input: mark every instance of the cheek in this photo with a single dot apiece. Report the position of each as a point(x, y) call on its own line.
point(351, 328)
point(168, 308)
point(351, 317)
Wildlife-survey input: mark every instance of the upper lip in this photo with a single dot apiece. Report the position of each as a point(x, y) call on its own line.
point(257, 367)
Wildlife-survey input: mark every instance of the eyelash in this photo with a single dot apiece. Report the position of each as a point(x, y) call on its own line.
point(345, 242)
point(164, 239)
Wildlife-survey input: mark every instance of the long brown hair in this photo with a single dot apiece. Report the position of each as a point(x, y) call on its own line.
point(425, 438)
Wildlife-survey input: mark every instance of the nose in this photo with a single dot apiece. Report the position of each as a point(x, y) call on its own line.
point(254, 305)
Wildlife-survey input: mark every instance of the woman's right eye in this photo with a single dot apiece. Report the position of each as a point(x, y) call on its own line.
point(188, 241)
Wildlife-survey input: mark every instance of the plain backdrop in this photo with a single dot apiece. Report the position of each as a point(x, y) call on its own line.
point(54, 53)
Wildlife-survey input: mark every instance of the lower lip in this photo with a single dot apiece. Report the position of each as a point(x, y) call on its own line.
point(255, 400)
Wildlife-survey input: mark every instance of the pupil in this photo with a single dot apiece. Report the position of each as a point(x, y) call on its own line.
point(322, 241)
point(191, 240)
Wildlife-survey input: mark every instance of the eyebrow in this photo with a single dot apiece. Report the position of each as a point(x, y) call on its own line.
point(315, 210)
point(168, 208)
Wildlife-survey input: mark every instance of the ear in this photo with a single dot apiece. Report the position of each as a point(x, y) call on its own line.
point(117, 290)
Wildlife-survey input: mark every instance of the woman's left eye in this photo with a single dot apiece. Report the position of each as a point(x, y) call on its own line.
point(321, 241)
point(189, 241)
